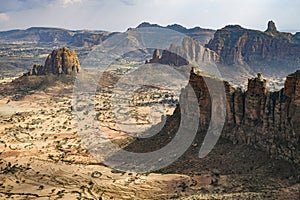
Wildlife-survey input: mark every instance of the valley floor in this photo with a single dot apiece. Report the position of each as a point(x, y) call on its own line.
point(42, 157)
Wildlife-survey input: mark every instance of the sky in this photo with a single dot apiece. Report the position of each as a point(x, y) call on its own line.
point(118, 15)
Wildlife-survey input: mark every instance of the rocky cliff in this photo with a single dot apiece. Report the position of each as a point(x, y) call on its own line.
point(62, 61)
point(240, 46)
point(190, 52)
point(269, 121)
point(167, 58)
point(266, 120)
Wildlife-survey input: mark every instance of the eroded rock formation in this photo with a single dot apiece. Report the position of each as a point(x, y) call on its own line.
point(271, 27)
point(266, 120)
point(191, 52)
point(167, 58)
point(240, 46)
point(155, 57)
point(62, 61)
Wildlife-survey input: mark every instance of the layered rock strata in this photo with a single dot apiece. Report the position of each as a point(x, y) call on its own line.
point(191, 52)
point(266, 120)
point(239, 46)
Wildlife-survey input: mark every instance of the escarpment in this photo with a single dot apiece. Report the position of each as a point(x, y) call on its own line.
point(239, 46)
point(190, 52)
point(269, 121)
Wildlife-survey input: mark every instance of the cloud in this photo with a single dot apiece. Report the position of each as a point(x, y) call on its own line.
point(19, 5)
point(118, 15)
point(129, 2)
point(68, 2)
point(4, 17)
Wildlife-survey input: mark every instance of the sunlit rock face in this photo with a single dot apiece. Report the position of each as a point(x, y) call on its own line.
point(266, 120)
point(240, 46)
point(62, 61)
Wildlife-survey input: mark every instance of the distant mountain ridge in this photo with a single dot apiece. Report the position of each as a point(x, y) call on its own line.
point(264, 51)
point(55, 35)
point(236, 50)
point(88, 38)
point(175, 27)
point(201, 34)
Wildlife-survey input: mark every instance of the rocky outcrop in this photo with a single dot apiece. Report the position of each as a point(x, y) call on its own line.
point(195, 52)
point(271, 28)
point(62, 61)
point(240, 46)
point(266, 120)
point(36, 70)
point(155, 57)
point(292, 85)
point(191, 52)
point(167, 58)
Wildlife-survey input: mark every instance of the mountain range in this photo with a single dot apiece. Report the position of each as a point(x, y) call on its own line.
point(82, 38)
point(238, 51)
point(270, 51)
point(54, 35)
point(247, 140)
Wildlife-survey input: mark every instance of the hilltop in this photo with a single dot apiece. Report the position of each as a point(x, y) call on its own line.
point(271, 52)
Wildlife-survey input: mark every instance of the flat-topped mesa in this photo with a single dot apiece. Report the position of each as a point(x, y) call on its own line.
point(62, 61)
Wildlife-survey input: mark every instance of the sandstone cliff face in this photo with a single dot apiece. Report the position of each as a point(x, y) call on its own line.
point(167, 58)
point(191, 52)
point(62, 61)
point(240, 46)
point(266, 120)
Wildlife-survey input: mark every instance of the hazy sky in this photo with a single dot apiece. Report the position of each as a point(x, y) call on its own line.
point(118, 15)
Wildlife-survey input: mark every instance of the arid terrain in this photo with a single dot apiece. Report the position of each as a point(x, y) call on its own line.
point(42, 157)
point(44, 152)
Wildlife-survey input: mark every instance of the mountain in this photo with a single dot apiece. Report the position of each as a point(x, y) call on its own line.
point(200, 34)
point(271, 51)
point(54, 36)
point(21, 49)
point(238, 52)
point(81, 38)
